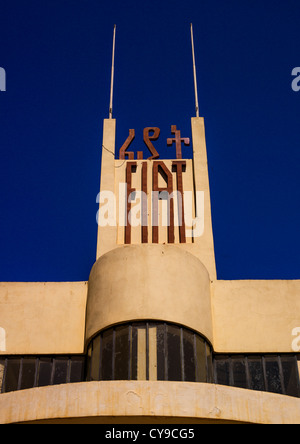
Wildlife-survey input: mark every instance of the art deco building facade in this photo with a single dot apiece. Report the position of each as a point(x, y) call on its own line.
point(153, 336)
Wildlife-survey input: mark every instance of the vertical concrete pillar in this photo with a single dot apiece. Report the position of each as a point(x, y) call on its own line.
point(204, 244)
point(107, 236)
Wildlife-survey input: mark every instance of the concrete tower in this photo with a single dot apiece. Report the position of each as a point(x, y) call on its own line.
point(147, 271)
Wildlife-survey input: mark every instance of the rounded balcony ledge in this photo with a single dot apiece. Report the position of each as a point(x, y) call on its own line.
point(115, 402)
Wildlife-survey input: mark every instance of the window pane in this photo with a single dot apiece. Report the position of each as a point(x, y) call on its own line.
point(222, 371)
point(256, 374)
point(28, 373)
point(209, 357)
point(239, 373)
point(161, 352)
point(77, 369)
point(174, 364)
point(45, 370)
point(88, 362)
point(189, 356)
point(273, 376)
point(201, 360)
point(95, 369)
point(134, 348)
point(290, 375)
point(2, 366)
point(61, 370)
point(122, 353)
point(12, 375)
point(107, 350)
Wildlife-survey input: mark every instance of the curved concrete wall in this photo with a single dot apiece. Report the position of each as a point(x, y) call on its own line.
point(146, 402)
point(139, 282)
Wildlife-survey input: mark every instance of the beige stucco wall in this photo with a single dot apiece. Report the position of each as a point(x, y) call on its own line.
point(160, 282)
point(245, 316)
point(255, 316)
point(41, 318)
point(147, 402)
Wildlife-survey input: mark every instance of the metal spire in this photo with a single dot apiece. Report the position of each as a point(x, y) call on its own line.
point(112, 74)
point(195, 73)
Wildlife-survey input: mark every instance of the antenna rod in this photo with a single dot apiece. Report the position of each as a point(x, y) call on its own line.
point(195, 74)
point(112, 74)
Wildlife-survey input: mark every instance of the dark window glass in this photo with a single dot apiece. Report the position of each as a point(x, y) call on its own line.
point(122, 353)
point(89, 362)
point(256, 374)
point(209, 357)
point(12, 375)
point(201, 360)
point(222, 371)
point(290, 376)
point(44, 372)
point(28, 373)
point(95, 360)
point(273, 375)
point(2, 367)
point(181, 355)
point(134, 352)
point(60, 371)
point(173, 344)
point(161, 355)
point(189, 356)
point(77, 369)
point(107, 355)
point(239, 373)
point(178, 351)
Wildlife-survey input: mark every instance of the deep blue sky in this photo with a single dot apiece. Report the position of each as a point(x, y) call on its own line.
point(57, 56)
